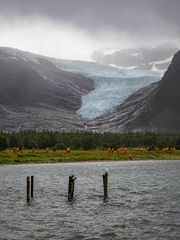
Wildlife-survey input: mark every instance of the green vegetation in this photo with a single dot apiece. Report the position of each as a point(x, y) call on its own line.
point(3, 143)
point(87, 140)
point(85, 146)
point(41, 156)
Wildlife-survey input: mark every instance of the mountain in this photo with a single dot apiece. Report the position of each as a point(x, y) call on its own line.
point(151, 58)
point(154, 108)
point(34, 93)
point(46, 93)
point(38, 92)
point(162, 111)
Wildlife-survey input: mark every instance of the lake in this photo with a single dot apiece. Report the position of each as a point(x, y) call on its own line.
point(144, 201)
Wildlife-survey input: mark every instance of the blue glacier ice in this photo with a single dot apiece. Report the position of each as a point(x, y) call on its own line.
point(112, 85)
point(111, 92)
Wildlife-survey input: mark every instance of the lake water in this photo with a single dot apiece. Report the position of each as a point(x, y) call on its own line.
point(144, 201)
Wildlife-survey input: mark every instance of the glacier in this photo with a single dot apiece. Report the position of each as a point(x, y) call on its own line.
point(112, 85)
point(111, 92)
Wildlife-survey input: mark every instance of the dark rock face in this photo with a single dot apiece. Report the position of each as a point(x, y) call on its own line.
point(162, 112)
point(35, 94)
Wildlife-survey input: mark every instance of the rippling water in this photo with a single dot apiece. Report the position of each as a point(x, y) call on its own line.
point(144, 201)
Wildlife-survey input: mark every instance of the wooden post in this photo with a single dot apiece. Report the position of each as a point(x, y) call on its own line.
point(105, 185)
point(32, 186)
point(71, 188)
point(73, 183)
point(28, 189)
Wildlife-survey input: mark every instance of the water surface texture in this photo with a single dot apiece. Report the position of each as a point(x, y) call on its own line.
point(144, 201)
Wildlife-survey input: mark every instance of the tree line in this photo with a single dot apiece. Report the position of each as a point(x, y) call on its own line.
point(86, 140)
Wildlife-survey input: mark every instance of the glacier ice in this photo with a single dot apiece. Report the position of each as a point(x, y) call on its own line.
point(111, 92)
point(112, 85)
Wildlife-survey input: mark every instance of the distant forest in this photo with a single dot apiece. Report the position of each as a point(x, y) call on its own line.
point(86, 140)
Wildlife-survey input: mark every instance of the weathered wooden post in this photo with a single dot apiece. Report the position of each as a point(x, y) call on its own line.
point(28, 189)
point(32, 186)
point(71, 188)
point(105, 185)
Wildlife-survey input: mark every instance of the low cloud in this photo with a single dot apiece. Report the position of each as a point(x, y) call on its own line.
point(73, 29)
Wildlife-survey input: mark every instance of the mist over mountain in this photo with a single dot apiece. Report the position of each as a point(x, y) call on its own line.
point(155, 58)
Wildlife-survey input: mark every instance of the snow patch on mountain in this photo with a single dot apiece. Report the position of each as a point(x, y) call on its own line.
point(88, 68)
point(121, 67)
point(21, 55)
point(156, 63)
point(135, 54)
point(14, 58)
point(168, 60)
point(155, 69)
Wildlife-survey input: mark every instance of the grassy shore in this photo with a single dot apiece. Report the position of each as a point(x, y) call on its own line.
point(41, 156)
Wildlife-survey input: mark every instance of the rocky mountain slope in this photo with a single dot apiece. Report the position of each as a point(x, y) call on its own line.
point(162, 111)
point(34, 93)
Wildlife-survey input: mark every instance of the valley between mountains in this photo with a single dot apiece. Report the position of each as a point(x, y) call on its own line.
point(41, 93)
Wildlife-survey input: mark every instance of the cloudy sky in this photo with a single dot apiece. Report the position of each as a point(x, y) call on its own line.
point(73, 29)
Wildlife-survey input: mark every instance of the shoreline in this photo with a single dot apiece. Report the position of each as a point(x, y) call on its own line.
point(83, 161)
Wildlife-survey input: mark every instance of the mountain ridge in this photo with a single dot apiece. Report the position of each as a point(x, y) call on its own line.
point(41, 93)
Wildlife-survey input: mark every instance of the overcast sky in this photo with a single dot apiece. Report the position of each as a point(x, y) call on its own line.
point(73, 29)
